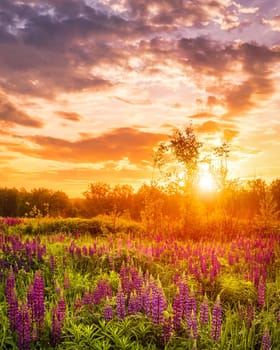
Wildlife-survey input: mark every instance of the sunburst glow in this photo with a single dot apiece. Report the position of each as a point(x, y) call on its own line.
point(207, 182)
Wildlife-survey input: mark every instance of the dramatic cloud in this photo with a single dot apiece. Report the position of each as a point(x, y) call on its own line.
point(10, 115)
point(89, 76)
point(274, 23)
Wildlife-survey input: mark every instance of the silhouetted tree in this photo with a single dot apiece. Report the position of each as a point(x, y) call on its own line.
point(184, 148)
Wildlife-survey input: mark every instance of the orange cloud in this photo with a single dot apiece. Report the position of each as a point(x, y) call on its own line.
point(114, 145)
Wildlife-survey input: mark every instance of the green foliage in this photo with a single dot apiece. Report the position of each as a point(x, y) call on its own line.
point(234, 289)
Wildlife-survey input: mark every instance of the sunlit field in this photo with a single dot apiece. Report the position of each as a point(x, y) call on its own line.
point(129, 289)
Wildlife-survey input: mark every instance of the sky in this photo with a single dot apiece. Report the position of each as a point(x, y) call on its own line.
point(89, 88)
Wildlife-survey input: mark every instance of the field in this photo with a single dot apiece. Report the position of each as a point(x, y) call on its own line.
point(132, 290)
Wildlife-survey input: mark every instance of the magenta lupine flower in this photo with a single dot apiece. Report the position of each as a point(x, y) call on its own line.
point(250, 315)
point(216, 320)
point(85, 251)
point(120, 304)
point(204, 312)
point(266, 345)
point(52, 263)
point(108, 312)
point(72, 248)
point(261, 294)
point(77, 304)
point(76, 234)
point(23, 328)
point(38, 300)
point(66, 281)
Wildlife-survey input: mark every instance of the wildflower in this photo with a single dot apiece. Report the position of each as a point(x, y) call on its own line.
point(204, 312)
point(266, 341)
point(250, 315)
point(66, 281)
point(102, 290)
point(216, 320)
point(108, 312)
point(52, 263)
point(58, 316)
point(158, 304)
point(38, 300)
point(178, 312)
point(11, 299)
point(261, 294)
point(23, 328)
point(120, 304)
point(133, 304)
point(194, 325)
point(166, 329)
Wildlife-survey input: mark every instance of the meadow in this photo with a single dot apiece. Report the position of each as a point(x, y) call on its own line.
point(69, 286)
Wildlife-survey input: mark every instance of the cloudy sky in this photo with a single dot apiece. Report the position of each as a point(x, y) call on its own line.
point(88, 87)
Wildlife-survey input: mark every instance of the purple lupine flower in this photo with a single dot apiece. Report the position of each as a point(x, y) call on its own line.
point(23, 328)
point(58, 316)
point(87, 298)
point(178, 312)
point(166, 330)
point(108, 312)
point(11, 299)
point(30, 304)
point(13, 310)
point(204, 312)
point(102, 290)
point(266, 345)
point(125, 279)
point(158, 305)
point(216, 320)
point(134, 304)
point(120, 304)
point(38, 300)
point(10, 285)
point(194, 325)
point(261, 294)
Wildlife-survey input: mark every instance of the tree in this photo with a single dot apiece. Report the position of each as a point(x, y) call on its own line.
point(184, 148)
point(275, 191)
point(222, 153)
point(97, 199)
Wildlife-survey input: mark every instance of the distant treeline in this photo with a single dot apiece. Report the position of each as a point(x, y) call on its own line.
point(246, 200)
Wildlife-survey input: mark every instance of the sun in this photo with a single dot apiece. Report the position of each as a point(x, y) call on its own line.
point(206, 182)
